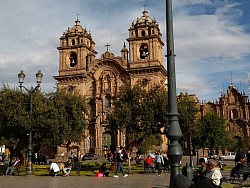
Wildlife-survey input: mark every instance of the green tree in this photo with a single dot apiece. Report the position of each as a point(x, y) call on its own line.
point(67, 121)
point(14, 119)
point(140, 114)
point(57, 118)
point(214, 134)
point(188, 110)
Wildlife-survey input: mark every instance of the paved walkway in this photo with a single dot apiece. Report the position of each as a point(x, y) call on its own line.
point(146, 180)
point(132, 181)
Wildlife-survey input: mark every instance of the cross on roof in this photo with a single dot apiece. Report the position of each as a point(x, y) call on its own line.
point(77, 15)
point(145, 5)
point(107, 45)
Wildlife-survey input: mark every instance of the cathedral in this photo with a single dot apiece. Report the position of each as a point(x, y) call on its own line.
point(234, 106)
point(99, 79)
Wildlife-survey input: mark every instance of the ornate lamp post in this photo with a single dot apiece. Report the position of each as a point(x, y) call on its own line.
point(173, 132)
point(191, 162)
point(21, 77)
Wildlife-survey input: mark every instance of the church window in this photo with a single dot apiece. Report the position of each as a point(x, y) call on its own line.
point(87, 59)
point(107, 102)
point(73, 42)
point(73, 59)
point(70, 88)
point(143, 34)
point(81, 41)
point(234, 114)
point(143, 51)
point(153, 31)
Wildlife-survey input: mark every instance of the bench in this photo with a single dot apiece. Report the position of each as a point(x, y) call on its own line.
point(241, 173)
point(147, 168)
point(16, 171)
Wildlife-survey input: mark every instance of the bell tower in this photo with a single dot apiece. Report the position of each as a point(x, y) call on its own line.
point(145, 51)
point(77, 51)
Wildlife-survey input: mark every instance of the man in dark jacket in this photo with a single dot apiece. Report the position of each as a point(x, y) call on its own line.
point(119, 158)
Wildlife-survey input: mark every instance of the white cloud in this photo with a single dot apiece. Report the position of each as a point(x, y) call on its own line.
point(209, 41)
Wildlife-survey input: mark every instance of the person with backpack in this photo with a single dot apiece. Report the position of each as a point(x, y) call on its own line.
point(120, 159)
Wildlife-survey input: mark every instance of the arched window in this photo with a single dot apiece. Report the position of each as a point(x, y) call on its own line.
point(73, 42)
point(143, 51)
point(70, 88)
point(73, 59)
point(234, 113)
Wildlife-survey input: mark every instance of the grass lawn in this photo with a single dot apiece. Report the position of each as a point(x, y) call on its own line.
point(87, 169)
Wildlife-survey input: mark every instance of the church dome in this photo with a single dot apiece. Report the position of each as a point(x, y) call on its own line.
point(145, 19)
point(77, 29)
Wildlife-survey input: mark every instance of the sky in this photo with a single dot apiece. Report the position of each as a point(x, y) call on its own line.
point(211, 39)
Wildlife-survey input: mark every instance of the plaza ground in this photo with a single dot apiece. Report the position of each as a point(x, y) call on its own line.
point(144, 180)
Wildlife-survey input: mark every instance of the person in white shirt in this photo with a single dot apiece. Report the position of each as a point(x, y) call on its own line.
point(158, 162)
point(54, 168)
point(213, 172)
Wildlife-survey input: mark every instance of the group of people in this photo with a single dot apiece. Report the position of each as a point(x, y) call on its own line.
point(156, 162)
point(207, 176)
point(11, 165)
point(66, 167)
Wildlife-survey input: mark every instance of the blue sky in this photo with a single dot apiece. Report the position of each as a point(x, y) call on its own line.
point(212, 38)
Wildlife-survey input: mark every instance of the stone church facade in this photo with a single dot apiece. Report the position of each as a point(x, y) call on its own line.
point(234, 106)
point(99, 79)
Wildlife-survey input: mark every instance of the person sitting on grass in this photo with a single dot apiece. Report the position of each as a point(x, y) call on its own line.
point(103, 169)
point(67, 167)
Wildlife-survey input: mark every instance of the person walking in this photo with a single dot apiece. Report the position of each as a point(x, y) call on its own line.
point(158, 161)
point(119, 158)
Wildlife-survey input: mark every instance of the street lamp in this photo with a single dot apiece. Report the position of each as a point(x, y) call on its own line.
point(173, 132)
point(21, 77)
point(191, 163)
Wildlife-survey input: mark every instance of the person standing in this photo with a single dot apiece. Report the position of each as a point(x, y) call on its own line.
point(62, 155)
point(119, 158)
point(159, 161)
